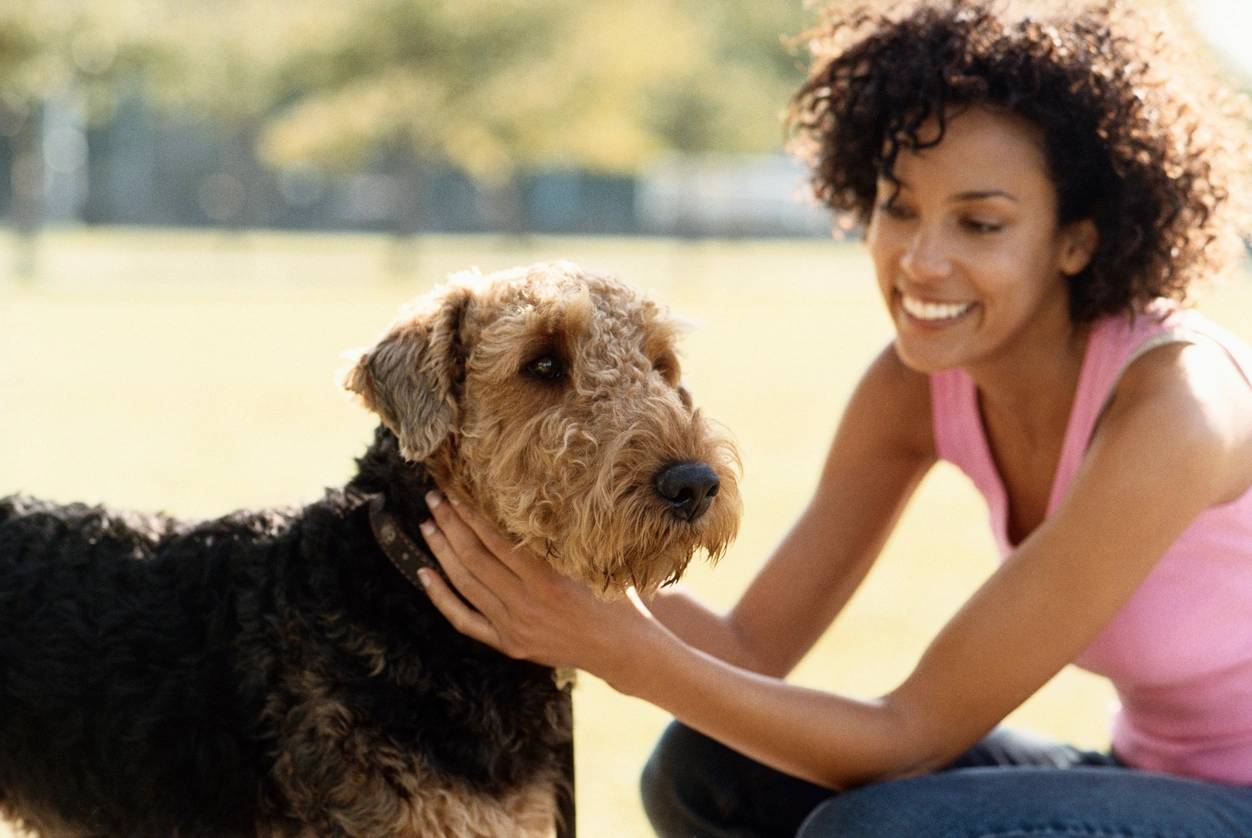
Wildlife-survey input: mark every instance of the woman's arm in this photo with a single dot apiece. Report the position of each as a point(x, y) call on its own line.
point(1164, 451)
point(880, 452)
point(1175, 440)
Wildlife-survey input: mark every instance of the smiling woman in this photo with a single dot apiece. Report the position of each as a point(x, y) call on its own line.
point(968, 257)
point(1039, 197)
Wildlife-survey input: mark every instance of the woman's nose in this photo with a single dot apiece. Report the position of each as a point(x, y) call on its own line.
point(926, 257)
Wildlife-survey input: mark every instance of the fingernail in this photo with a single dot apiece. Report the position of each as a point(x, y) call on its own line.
point(452, 499)
point(427, 527)
point(433, 499)
point(422, 576)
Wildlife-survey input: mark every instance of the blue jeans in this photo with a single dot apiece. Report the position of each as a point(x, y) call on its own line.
point(1010, 785)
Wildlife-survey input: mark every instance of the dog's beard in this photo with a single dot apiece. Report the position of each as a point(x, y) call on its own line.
point(635, 541)
point(608, 528)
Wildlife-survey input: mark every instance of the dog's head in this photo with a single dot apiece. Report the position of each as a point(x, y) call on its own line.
point(551, 399)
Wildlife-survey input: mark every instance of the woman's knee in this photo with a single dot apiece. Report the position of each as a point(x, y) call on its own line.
point(1033, 801)
point(973, 800)
point(876, 810)
point(694, 785)
point(682, 761)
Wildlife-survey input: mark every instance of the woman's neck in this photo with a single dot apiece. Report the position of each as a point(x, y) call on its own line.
point(1030, 391)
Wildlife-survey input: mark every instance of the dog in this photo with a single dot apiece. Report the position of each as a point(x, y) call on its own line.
point(280, 672)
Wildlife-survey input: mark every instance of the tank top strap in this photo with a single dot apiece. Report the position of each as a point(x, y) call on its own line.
point(954, 413)
point(1115, 343)
point(1112, 345)
point(960, 440)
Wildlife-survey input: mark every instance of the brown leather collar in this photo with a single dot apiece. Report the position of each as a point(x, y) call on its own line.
point(401, 551)
point(408, 558)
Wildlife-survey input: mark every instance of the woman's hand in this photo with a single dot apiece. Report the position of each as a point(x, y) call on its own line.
point(517, 603)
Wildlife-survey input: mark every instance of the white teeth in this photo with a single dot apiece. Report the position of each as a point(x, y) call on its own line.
point(923, 310)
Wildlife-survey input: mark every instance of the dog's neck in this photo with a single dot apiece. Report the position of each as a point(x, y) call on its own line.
point(403, 552)
point(403, 484)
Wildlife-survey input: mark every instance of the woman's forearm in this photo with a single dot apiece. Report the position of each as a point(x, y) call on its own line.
point(827, 739)
point(553, 620)
point(697, 625)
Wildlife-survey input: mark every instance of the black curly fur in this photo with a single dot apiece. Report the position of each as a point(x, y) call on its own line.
point(150, 669)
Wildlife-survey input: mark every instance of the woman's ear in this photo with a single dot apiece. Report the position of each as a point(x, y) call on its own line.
point(1078, 244)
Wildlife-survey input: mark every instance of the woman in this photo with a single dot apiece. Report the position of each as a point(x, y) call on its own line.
point(1035, 204)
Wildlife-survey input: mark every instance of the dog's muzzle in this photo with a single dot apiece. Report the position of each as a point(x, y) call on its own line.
point(687, 488)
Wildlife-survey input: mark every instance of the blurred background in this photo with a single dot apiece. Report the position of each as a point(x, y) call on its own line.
point(205, 204)
point(401, 116)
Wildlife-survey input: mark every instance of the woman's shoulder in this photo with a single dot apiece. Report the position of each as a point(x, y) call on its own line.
point(1187, 384)
point(1166, 352)
point(894, 401)
point(1169, 351)
point(892, 381)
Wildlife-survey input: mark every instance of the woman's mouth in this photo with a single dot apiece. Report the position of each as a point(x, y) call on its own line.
point(929, 312)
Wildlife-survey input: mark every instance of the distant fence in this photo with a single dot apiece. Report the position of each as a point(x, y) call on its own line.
point(142, 168)
point(728, 194)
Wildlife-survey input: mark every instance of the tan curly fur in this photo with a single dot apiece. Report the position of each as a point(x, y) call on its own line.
point(368, 786)
point(567, 468)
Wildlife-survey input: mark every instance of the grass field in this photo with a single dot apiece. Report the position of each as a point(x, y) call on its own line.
point(194, 373)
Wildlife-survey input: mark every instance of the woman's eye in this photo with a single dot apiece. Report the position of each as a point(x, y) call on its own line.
point(891, 209)
point(545, 368)
point(977, 225)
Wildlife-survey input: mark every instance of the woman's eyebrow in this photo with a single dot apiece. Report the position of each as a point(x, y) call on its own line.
point(967, 195)
point(981, 194)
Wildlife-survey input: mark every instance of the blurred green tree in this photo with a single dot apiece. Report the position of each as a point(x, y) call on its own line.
point(490, 86)
point(498, 86)
point(494, 85)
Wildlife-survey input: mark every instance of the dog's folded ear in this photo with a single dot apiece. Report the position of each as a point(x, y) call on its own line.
point(411, 377)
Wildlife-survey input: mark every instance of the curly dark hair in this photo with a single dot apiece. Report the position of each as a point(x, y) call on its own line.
point(1128, 144)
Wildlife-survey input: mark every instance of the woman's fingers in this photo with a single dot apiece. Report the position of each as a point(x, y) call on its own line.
point(523, 563)
point(465, 579)
point(477, 556)
point(461, 537)
point(503, 548)
point(513, 601)
point(463, 618)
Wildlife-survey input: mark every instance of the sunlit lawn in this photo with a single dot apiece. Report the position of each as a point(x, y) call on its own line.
point(195, 373)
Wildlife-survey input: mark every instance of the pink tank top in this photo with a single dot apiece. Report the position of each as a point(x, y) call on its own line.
point(1179, 653)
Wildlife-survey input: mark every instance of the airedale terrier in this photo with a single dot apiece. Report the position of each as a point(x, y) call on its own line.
point(275, 673)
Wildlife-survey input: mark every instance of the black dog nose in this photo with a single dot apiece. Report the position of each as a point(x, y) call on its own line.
point(688, 488)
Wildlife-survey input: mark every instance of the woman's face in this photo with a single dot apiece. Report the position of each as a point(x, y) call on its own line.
point(969, 255)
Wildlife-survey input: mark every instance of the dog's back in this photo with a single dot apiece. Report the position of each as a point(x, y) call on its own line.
point(263, 672)
point(117, 677)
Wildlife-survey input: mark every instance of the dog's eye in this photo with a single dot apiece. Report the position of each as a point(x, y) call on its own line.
point(545, 368)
